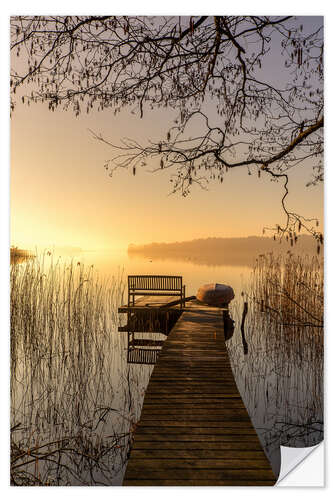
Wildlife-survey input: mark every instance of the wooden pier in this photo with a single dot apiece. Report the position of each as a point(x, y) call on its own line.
point(194, 429)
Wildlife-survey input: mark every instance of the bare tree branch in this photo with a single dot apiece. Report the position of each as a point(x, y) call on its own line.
point(215, 71)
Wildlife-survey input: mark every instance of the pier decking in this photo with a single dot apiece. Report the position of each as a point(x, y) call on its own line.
point(194, 429)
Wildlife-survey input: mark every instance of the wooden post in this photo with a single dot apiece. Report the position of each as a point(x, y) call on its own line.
point(245, 310)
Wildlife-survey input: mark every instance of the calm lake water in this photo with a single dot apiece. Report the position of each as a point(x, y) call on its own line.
point(194, 274)
point(79, 392)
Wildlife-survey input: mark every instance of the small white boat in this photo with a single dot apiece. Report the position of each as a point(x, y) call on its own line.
point(215, 294)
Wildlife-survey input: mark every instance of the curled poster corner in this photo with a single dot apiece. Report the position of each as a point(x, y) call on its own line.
point(302, 466)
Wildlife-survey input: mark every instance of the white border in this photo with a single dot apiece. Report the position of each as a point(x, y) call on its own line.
point(283, 7)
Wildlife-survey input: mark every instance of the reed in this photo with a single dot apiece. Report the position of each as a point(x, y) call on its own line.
point(19, 255)
point(280, 376)
point(71, 388)
point(290, 288)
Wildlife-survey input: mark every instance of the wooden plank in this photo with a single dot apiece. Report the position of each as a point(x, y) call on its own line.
point(188, 407)
point(196, 482)
point(194, 428)
point(197, 453)
point(147, 343)
point(168, 472)
point(205, 438)
point(175, 432)
point(163, 301)
point(197, 425)
point(194, 397)
point(195, 445)
point(200, 463)
point(180, 414)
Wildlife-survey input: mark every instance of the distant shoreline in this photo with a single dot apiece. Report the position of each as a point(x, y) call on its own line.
point(19, 252)
point(18, 255)
point(219, 251)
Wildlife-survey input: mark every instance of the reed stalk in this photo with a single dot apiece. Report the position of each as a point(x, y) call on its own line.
point(280, 377)
point(71, 404)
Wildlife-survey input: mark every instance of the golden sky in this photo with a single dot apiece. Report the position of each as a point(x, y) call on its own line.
point(61, 194)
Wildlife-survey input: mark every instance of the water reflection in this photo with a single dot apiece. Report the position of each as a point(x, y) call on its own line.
point(74, 398)
point(77, 383)
point(281, 386)
point(208, 260)
point(228, 325)
point(119, 262)
point(146, 333)
point(17, 258)
point(213, 252)
point(142, 356)
point(245, 344)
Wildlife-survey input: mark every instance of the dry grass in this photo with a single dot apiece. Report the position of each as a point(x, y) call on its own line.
point(71, 389)
point(75, 400)
point(281, 377)
point(290, 288)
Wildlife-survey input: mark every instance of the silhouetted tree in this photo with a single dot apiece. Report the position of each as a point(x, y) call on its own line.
point(216, 72)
